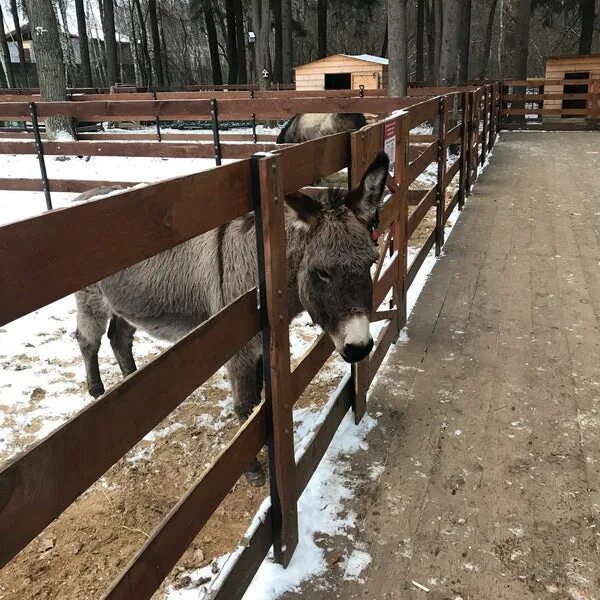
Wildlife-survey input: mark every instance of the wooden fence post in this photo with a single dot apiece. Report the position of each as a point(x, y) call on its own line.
point(484, 132)
point(500, 103)
point(401, 225)
point(441, 183)
point(360, 371)
point(595, 98)
point(272, 267)
point(462, 192)
point(470, 97)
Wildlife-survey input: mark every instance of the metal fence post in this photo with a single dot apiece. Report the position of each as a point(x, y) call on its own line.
point(272, 270)
point(40, 153)
point(157, 120)
point(214, 113)
point(254, 136)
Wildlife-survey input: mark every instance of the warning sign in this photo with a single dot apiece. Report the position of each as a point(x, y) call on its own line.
point(389, 143)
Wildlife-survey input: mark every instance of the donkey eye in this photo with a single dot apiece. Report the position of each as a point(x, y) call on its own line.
point(322, 274)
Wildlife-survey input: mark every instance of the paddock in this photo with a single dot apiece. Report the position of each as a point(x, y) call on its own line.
point(208, 533)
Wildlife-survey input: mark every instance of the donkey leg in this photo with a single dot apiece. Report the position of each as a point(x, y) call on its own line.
point(245, 374)
point(120, 334)
point(92, 316)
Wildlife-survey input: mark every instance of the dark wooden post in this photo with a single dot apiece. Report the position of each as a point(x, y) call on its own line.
point(595, 98)
point(484, 133)
point(402, 159)
point(464, 135)
point(441, 176)
point(500, 103)
point(272, 266)
point(470, 97)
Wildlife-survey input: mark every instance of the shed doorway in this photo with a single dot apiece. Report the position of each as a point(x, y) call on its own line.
point(577, 88)
point(338, 81)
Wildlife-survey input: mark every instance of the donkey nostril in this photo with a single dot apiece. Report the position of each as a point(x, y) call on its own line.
point(356, 352)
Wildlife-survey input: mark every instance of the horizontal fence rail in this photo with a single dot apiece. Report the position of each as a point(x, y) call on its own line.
point(40, 265)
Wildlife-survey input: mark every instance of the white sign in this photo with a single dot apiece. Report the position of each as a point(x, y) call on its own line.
point(389, 144)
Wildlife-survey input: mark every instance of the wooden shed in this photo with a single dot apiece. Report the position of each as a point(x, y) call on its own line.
point(343, 72)
point(580, 69)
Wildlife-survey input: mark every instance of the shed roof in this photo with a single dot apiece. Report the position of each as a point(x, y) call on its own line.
point(358, 57)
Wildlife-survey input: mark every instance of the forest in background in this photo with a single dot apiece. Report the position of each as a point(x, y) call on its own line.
point(183, 42)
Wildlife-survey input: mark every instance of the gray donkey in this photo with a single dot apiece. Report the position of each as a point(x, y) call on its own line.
point(329, 255)
point(309, 126)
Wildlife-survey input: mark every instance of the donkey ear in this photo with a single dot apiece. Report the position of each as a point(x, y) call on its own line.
point(302, 210)
point(365, 199)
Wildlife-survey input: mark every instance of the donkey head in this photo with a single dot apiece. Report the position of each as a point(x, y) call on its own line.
point(334, 274)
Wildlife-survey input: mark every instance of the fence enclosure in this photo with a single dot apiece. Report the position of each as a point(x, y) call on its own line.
point(39, 268)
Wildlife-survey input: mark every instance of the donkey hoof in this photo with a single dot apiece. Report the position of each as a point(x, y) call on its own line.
point(96, 391)
point(256, 477)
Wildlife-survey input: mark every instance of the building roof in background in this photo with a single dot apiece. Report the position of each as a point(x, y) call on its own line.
point(369, 58)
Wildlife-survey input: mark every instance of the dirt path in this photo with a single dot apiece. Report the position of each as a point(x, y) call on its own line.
point(490, 433)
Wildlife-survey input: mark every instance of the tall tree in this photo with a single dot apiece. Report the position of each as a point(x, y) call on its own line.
point(261, 21)
point(430, 21)
point(322, 28)
point(241, 41)
point(232, 58)
point(156, 49)
point(147, 70)
point(287, 56)
point(438, 19)
point(49, 62)
point(397, 47)
point(5, 55)
point(110, 41)
point(420, 74)
point(450, 42)
point(278, 67)
point(522, 39)
point(588, 18)
point(84, 46)
point(464, 41)
point(14, 9)
point(487, 48)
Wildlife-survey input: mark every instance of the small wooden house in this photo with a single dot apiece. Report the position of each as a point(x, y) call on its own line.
point(577, 68)
point(343, 72)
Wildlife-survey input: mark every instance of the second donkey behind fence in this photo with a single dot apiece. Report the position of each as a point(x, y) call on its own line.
point(329, 256)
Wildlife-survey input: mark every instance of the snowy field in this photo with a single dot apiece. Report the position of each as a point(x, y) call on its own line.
point(43, 384)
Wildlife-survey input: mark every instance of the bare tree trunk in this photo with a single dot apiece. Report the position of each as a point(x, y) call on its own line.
point(84, 47)
point(464, 41)
point(429, 19)
point(232, 58)
point(487, 49)
point(49, 63)
point(322, 28)
point(438, 18)
point(156, 53)
point(398, 47)
point(278, 69)
point(384, 46)
point(15, 15)
point(241, 41)
point(5, 55)
point(145, 51)
point(522, 38)
point(110, 42)
point(420, 74)
point(213, 46)
point(450, 43)
point(287, 57)
point(137, 62)
point(164, 54)
point(68, 52)
point(588, 17)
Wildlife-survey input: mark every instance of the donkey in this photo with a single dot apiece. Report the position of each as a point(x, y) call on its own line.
point(304, 127)
point(329, 254)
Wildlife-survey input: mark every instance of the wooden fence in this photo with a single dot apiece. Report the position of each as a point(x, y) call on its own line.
point(544, 104)
point(39, 266)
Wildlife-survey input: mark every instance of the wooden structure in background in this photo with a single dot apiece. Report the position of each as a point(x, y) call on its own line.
point(343, 72)
point(574, 71)
point(145, 221)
